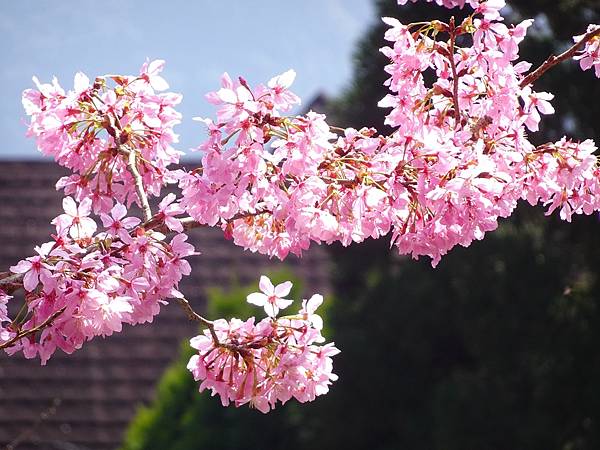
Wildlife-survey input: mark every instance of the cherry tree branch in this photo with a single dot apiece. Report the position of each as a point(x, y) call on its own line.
point(194, 316)
point(554, 60)
point(24, 333)
point(139, 184)
point(10, 283)
point(454, 74)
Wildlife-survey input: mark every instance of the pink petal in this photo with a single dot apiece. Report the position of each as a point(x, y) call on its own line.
point(257, 299)
point(85, 207)
point(271, 309)
point(21, 267)
point(283, 289)
point(30, 280)
point(155, 66)
point(227, 96)
point(170, 198)
point(313, 303)
point(70, 206)
point(266, 286)
point(130, 222)
point(159, 83)
point(118, 211)
point(282, 303)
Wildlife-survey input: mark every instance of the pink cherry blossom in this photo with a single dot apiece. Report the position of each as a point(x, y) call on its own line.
point(75, 220)
point(590, 55)
point(150, 73)
point(117, 224)
point(271, 297)
point(168, 209)
point(308, 311)
point(264, 363)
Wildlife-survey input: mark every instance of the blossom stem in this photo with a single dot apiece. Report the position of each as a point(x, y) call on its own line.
point(24, 333)
point(554, 60)
point(139, 184)
point(194, 316)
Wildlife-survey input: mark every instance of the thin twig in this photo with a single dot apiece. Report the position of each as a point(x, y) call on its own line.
point(11, 283)
point(24, 333)
point(139, 184)
point(189, 223)
point(454, 74)
point(194, 316)
point(553, 60)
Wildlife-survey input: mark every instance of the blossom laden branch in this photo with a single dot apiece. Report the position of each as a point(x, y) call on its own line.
point(266, 362)
point(31, 331)
point(276, 183)
point(553, 60)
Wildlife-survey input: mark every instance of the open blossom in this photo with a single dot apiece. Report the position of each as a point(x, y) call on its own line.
point(75, 220)
point(167, 210)
point(308, 311)
point(36, 269)
point(590, 55)
point(117, 224)
point(264, 363)
point(534, 104)
point(283, 98)
point(271, 297)
point(150, 72)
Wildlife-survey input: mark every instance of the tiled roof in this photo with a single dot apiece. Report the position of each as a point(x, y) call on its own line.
point(100, 386)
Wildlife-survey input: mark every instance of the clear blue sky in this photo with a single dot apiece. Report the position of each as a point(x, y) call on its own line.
point(198, 39)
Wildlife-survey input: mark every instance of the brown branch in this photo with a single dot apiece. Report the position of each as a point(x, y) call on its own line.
point(11, 283)
point(113, 127)
point(155, 223)
point(139, 184)
point(24, 333)
point(454, 74)
point(194, 316)
point(553, 60)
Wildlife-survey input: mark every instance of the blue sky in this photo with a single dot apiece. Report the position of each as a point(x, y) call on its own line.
point(198, 39)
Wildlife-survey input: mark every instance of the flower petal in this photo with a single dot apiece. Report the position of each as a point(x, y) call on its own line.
point(257, 299)
point(266, 286)
point(283, 289)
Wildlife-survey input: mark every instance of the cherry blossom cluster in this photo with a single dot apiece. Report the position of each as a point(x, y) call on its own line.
point(93, 128)
point(458, 160)
point(83, 284)
point(271, 361)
